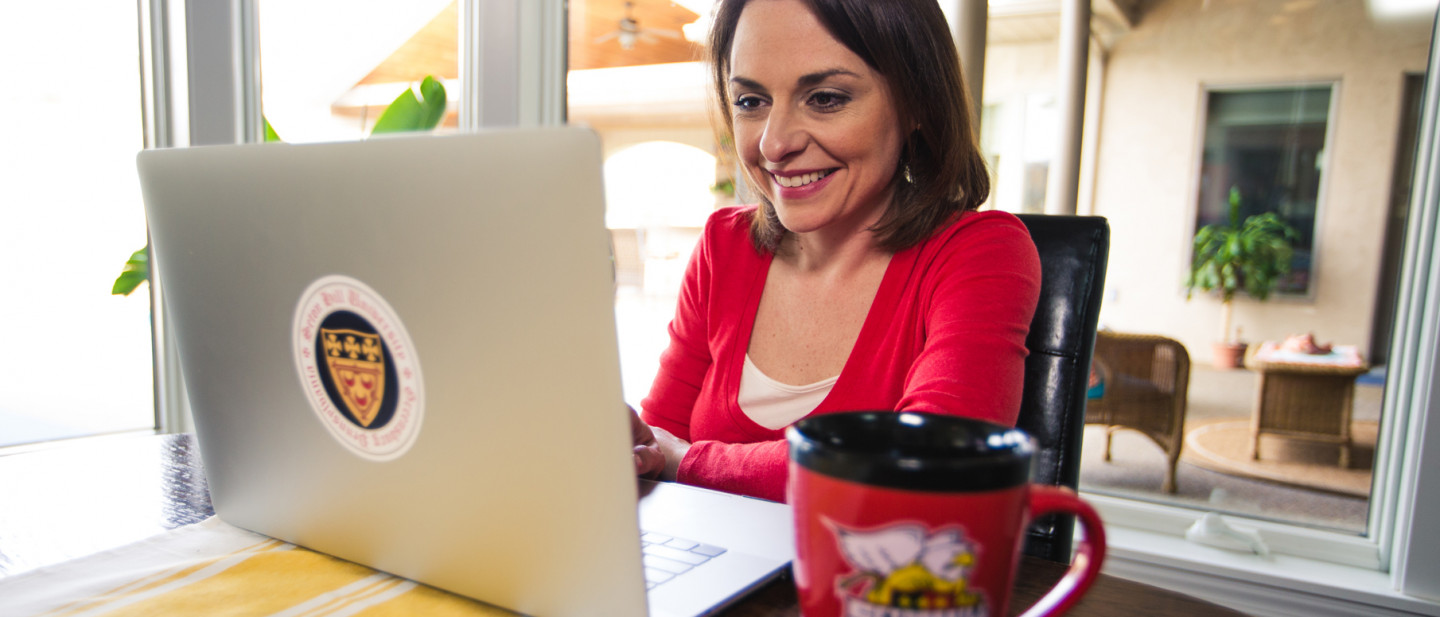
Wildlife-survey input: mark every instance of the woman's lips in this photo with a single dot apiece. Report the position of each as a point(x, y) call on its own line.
point(802, 184)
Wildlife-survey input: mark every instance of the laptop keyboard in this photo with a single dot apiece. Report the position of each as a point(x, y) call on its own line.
point(666, 557)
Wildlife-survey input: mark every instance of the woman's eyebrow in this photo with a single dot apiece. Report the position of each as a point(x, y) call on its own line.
point(816, 78)
point(748, 84)
point(807, 80)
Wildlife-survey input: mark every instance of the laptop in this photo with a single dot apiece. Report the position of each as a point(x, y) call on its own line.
point(402, 352)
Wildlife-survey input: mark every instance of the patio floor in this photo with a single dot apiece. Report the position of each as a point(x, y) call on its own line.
point(1138, 465)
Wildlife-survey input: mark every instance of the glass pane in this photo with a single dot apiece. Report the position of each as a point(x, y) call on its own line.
point(635, 79)
point(1018, 136)
point(76, 359)
point(1189, 98)
point(1267, 145)
point(330, 68)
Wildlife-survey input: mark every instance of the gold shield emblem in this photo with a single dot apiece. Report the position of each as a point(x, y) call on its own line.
point(357, 368)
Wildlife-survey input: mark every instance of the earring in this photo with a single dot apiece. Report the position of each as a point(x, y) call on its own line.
point(905, 173)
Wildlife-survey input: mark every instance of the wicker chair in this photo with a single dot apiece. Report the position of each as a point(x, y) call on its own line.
point(1146, 379)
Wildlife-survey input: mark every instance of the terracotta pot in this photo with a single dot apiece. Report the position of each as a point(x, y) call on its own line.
point(1228, 355)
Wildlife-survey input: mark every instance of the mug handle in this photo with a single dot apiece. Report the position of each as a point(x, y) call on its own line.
point(1088, 557)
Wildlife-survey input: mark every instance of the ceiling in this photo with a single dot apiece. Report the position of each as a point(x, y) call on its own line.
point(592, 20)
point(593, 43)
point(594, 25)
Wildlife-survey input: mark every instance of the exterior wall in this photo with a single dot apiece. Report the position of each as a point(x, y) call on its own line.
point(1149, 147)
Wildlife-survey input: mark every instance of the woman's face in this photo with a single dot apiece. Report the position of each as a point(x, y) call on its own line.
point(815, 126)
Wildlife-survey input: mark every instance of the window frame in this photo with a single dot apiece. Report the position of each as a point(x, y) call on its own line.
point(1336, 87)
point(1394, 568)
point(1368, 550)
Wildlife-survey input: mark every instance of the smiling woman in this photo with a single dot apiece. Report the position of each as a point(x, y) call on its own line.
point(918, 81)
point(820, 139)
point(863, 279)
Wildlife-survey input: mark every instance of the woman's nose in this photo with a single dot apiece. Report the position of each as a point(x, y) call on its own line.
point(784, 135)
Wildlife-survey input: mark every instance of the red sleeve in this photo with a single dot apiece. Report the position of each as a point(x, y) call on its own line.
point(757, 469)
point(982, 297)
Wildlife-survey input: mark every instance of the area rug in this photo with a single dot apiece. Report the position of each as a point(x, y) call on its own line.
point(1224, 446)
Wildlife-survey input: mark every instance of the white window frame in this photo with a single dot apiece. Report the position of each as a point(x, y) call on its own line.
point(1395, 568)
point(1403, 578)
point(1322, 192)
point(512, 63)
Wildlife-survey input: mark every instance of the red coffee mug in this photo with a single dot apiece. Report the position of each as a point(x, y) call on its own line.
point(907, 514)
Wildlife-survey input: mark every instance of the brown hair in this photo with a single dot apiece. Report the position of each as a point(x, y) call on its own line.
point(908, 43)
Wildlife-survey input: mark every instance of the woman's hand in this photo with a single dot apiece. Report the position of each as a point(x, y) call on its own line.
point(657, 452)
point(649, 460)
point(673, 448)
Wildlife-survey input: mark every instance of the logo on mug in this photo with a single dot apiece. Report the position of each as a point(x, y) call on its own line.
point(906, 570)
point(358, 368)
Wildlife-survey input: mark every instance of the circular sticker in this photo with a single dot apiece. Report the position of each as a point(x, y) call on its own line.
point(358, 368)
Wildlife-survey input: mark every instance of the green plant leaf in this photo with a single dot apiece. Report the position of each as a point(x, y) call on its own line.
point(409, 113)
point(1250, 256)
point(270, 134)
point(135, 272)
point(435, 100)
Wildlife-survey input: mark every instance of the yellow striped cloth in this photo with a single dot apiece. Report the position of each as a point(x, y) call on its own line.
point(213, 568)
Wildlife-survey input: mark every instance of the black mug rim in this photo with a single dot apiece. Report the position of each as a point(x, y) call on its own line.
point(913, 450)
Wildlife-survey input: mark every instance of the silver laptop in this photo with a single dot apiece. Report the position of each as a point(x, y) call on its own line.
point(402, 352)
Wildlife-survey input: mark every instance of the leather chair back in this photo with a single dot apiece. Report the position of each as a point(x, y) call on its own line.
point(1074, 251)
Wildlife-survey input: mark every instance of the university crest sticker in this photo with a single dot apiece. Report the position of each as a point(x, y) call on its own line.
point(358, 368)
point(906, 571)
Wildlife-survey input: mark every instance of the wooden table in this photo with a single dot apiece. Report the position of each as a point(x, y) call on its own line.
point(1302, 400)
point(76, 499)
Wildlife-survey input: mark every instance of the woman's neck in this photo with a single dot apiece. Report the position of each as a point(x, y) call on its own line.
point(843, 247)
point(819, 253)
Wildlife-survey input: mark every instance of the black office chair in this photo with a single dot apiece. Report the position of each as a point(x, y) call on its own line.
point(1074, 251)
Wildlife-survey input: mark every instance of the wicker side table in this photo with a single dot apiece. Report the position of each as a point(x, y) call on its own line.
point(1304, 400)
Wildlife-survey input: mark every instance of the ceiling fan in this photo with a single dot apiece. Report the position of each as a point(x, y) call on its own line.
point(629, 31)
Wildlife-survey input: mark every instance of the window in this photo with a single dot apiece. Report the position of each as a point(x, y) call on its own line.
point(1302, 107)
point(638, 84)
point(331, 67)
point(76, 359)
point(1190, 104)
point(1269, 145)
point(1018, 136)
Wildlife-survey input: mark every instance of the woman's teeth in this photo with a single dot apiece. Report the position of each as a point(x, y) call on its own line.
point(795, 181)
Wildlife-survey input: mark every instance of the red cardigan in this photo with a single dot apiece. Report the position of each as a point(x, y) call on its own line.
point(946, 334)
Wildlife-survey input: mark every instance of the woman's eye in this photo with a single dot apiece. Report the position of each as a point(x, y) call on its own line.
point(828, 100)
point(747, 103)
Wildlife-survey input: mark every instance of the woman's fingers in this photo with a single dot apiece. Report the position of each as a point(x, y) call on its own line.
point(640, 433)
point(649, 461)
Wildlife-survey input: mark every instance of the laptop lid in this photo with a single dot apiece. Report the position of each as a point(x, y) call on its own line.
point(402, 352)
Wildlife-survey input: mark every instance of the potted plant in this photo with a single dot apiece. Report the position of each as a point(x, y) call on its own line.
point(1250, 256)
point(406, 113)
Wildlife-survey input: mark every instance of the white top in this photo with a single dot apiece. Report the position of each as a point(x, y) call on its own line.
point(775, 405)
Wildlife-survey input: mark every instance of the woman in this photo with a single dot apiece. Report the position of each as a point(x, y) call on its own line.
point(865, 278)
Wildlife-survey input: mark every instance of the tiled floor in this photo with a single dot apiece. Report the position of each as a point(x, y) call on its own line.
point(1137, 464)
